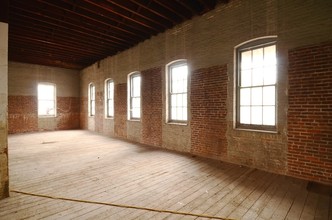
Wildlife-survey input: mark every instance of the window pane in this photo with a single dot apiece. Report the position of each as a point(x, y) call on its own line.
point(184, 114)
point(46, 99)
point(269, 115)
point(245, 115)
point(257, 76)
point(256, 115)
point(270, 56)
point(179, 75)
point(136, 102)
point(256, 96)
point(136, 86)
point(246, 60)
point(110, 111)
point(245, 97)
point(92, 106)
point(270, 73)
point(269, 95)
point(46, 92)
point(46, 107)
point(135, 113)
point(178, 80)
point(246, 78)
point(257, 58)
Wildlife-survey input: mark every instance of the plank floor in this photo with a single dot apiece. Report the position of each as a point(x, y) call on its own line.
point(83, 175)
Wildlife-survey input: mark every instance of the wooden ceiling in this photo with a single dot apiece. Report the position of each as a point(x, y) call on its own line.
point(76, 33)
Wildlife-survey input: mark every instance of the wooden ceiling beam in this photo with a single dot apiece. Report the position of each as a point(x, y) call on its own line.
point(171, 9)
point(60, 34)
point(145, 5)
point(69, 26)
point(126, 17)
point(136, 13)
point(95, 12)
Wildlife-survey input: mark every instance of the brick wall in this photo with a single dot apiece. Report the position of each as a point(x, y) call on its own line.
point(208, 111)
point(22, 114)
point(152, 106)
point(68, 113)
point(120, 110)
point(310, 113)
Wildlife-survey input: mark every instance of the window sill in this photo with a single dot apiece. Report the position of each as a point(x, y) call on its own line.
point(134, 120)
point(177, 123)
point(257, 130)
point(109, 118)
point(46, 116)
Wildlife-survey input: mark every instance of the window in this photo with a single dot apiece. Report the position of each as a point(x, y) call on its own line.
point(109, 98)
point(92, 99)
point(134, 96)
point(46, 99)
point(256, 85)
point(177, 76)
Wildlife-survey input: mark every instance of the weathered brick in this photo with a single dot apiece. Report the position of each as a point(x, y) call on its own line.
point(309, 132)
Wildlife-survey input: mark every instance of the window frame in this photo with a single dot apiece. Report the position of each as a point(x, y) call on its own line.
point(108, 99)
point(169, 66)
point(54, 100)
point(91, 100)
point(247, 46)
point(130, 89)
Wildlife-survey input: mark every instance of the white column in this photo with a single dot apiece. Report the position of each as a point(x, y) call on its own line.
point(4, 181)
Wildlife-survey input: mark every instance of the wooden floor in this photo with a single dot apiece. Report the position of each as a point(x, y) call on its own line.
point(95, 177)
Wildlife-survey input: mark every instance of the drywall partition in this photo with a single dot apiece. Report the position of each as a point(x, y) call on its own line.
point(23, 101)
point(208, 43)
point(4, 181)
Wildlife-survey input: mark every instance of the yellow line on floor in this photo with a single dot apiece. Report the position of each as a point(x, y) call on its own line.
point(119, 205)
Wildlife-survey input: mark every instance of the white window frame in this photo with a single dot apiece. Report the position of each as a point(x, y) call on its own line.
point(251, 46)
point(169, 92)
point(109, 98)
point(92, 100)
point(54, 100)
point(131, 96)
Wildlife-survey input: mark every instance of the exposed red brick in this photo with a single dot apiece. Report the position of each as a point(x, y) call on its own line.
point(310, 113)
point(120, 110)
point(152, 107)
point(208, 111)
point(22, 114)
point(68, 113)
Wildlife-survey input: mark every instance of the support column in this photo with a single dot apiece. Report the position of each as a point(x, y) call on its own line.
point(4, 180)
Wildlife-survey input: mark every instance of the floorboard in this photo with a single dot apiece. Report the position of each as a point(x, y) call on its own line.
point(87, 169)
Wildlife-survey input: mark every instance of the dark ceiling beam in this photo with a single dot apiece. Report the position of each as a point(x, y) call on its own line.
point(154, 11)
point(141, 15)
point(100, 13)
point(163, 4)
point(108, 8)
point(86, 17)
point(60, 34)
point(69, 26)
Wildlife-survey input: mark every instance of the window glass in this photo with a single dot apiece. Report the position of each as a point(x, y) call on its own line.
point(178, 88)
point(109, 97)
point(92, 98)
point(46, 99)
point(256, 89)
point(135, 96)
